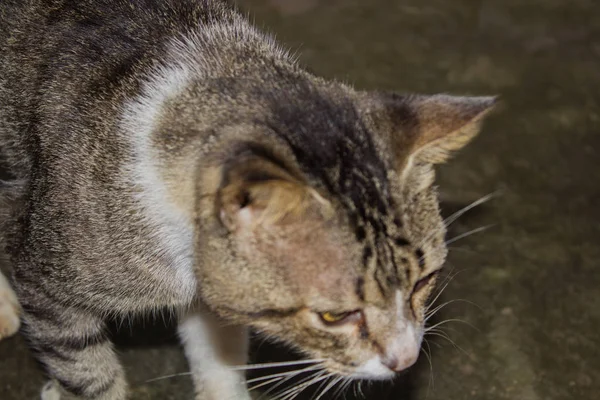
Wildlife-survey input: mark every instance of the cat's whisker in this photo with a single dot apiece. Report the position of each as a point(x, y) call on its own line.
point(453, 249)
point(276, 364)
point(319, 389)
point(284, 378)
point(328, 387)
point(336, 392)
point(428, 355)
point(446, 321)
point(310, 376)
point(359, 387)
point(346, 383)
point(445, 336)
point(431, 313)
point(456, 215)
point(263, 383)
point(168, 376)
point(281, 374)
point(301, 386)
point(452, 218)
point(445, 285)
point(469, 233)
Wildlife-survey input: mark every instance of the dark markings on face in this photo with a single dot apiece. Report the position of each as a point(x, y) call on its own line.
point(395, 273)
point(380, 279)
point(360, 233)
point(406, 268)
point(420, 257)
point(392, 280)
point(363, 330)
point(378, 348)
point(402, 242)
point(269, 313)
point(350, 167)
point(360, 288)
point(367, 254)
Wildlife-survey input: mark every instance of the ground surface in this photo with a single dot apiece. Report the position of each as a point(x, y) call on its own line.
point(534, 276)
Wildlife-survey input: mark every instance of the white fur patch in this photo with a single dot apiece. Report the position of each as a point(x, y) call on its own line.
point(185, 61)
point(172, 228)
point(9, 310)
point(50, 391)
point(374, 369)
point(212, 351)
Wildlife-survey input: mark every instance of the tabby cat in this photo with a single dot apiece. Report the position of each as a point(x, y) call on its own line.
point(168, 154)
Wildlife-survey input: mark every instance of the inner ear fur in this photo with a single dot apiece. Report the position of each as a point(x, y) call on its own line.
point(265, 191)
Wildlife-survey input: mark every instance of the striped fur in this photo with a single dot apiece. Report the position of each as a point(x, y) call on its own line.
point(168, 154)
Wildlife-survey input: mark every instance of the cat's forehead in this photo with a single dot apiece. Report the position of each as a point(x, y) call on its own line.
point(334, 145)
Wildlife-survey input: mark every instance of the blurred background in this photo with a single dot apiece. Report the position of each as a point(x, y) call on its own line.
point(529, 325)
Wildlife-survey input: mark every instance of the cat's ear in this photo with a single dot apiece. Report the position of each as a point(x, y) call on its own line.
point(258, 191)
point(425, 128)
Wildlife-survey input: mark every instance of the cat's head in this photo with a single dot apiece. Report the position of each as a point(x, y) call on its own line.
point(330, 236)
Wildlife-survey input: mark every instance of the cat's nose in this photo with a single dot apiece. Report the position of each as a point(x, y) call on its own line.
point(398, 364)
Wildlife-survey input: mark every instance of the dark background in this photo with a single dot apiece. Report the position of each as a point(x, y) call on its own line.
point(534, 276)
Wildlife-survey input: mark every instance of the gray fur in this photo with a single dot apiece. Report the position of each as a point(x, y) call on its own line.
point(144, 134)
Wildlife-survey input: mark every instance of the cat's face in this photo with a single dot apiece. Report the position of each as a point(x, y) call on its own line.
point(341, 275)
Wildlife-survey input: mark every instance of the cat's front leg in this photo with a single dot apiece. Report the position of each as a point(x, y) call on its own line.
point(213, 348)
point(9, 310)
point(72, 346)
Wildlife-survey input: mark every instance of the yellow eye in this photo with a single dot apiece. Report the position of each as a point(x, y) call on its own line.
point(332, 318)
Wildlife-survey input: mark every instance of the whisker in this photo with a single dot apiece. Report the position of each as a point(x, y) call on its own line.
point(286, 373)
point(429, 355)
point(445, 336)
point(283, 380)
point(359, 386)
point(431, 313)
point(264, 384)
point(319, 389)
point(300, 387)
point(445, 285)
point(275, 364)
point(168, 376)
point(281, 375)
point(346, 383)
point(451, 320)
point(452, 218)
point(469, 233)
point(328, 387)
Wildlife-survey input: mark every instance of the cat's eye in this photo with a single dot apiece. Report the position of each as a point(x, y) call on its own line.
point(424, 281)
point(332, 318)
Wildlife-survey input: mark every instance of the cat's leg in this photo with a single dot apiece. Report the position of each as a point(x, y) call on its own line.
point(72, 346)
point(212, 348)
point(9, 309)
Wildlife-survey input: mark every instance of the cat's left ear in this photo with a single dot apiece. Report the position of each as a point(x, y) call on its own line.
point(425, 129)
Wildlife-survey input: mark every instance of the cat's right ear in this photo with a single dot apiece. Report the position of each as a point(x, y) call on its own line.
point(257, 191)
point(425, 128)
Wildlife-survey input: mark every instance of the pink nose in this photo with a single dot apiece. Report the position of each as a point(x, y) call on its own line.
point(399, 364)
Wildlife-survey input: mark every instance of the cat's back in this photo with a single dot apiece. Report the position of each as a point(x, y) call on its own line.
point(68, 71)
point(68, 65)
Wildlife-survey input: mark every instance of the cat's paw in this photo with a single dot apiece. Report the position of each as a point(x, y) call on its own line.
point(50, 391)
point(9, 312)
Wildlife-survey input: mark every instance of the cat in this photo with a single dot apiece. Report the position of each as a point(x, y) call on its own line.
point(166, 153)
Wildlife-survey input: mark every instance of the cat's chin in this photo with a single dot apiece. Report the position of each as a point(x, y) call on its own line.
point(372, 370)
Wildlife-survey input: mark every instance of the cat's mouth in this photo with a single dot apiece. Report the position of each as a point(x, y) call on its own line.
point(372, 369)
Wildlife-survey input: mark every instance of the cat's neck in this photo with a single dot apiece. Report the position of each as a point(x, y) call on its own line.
point(176, 122)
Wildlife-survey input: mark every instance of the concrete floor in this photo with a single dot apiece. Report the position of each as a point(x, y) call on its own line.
point(533, 276)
